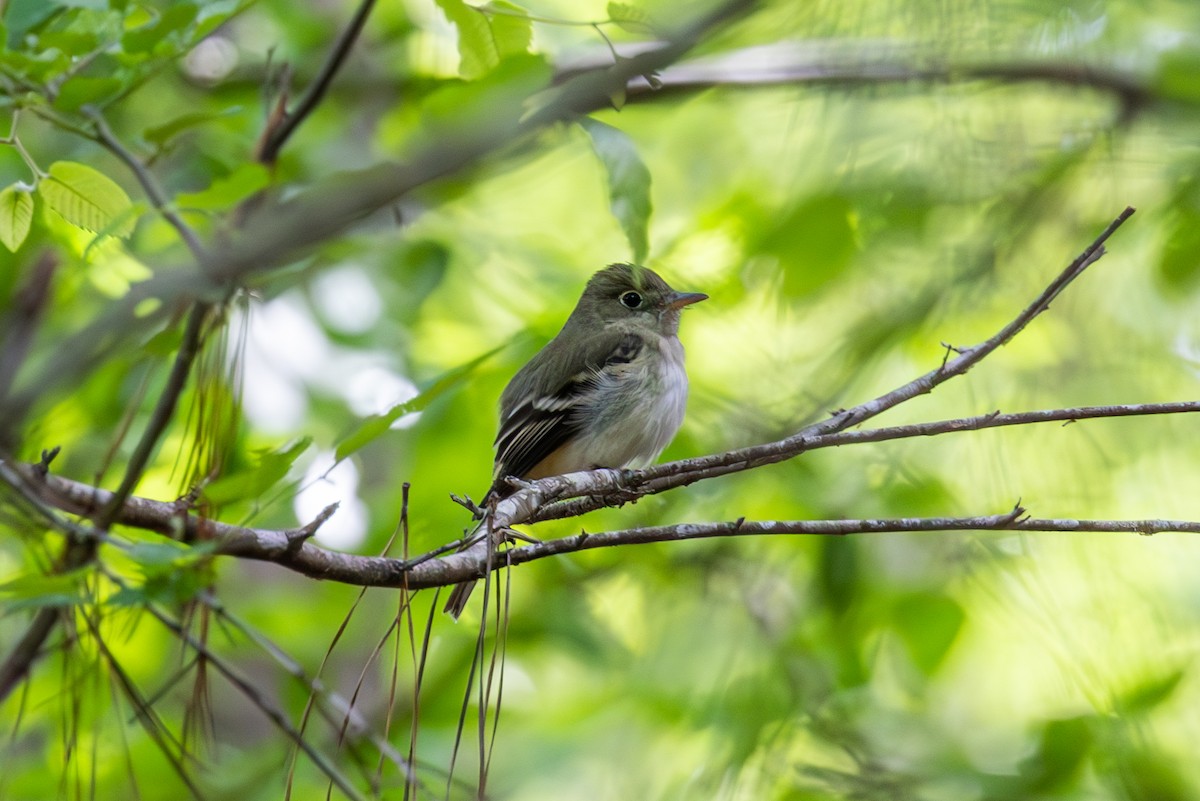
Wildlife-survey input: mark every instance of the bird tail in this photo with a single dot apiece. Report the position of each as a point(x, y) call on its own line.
point(458, 599)
point(461, 593)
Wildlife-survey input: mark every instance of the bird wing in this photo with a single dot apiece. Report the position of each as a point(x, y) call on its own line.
point(544, 419)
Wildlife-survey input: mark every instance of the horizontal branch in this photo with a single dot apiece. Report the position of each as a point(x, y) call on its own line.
point(537, 500)
point(290, 548)
point(610, 487)
point(851, 65)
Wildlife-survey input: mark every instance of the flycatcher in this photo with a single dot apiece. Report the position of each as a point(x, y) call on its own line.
point(608, 391)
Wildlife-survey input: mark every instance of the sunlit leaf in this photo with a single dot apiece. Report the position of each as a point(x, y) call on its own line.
point(16, 215)
point(87, 198)
point(631, 18)
point(1150, 691)
point(488, 34)
point(628, 183)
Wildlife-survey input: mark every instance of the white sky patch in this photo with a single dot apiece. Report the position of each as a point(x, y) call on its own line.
point(347, 529)
point(347, 300)
point(287, 353)
point(375, 390)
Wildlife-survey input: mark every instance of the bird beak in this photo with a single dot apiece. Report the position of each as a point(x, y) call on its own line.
point(678, 300)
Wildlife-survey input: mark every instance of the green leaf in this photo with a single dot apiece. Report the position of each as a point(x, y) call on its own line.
point(838, 576)
point(35, 591)
point(160, 554)
point(1150, 692)
point(1175, 78)
point(1179, 264)
point(487, 34)
point(224, 193)
point(87, 198)
point(814, 242)
point(628, 183)
point(80, 90)
point(169, 20)
point(928, 623)
point(1064, 745)
point(22, 16)
point(376, 425)
point(272, 467)
point(632, 19)
point(16, 215)
point(161, 134)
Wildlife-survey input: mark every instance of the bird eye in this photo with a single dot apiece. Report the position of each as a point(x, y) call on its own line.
point(631, 300)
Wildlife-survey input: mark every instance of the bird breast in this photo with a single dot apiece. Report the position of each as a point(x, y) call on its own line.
point(637, 410)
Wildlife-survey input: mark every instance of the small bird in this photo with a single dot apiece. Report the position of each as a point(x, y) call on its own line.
point(608, 391)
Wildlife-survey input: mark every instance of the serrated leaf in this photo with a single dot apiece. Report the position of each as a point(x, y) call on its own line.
point(488, 34)
point(271, 468)
point(16, 215)
point(376, 425)
point(87, 198)
point(628, 183)
point(632, 19)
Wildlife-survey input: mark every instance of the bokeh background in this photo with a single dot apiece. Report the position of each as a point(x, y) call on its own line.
point(912, 174)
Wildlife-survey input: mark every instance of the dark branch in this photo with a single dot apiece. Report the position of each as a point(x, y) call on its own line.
point(276, 136)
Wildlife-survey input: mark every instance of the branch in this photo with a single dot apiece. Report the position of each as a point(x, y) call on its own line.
point(158, 198)
point(792, 64)
point(285, 123)
point(81, 548)
point(527, 505)
point(290, 548)
point(281, 548)
point(575, 493)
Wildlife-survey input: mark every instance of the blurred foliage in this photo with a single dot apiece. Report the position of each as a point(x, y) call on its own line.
point(843, 227)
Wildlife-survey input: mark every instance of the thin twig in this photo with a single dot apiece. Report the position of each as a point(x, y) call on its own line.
point(527, 505)
point(158, 198)
point(81, 550)
point(277, 134)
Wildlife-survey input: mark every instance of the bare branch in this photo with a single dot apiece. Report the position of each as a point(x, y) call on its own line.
point(290, 548)
point(794, 64)
point(530, 504)
point(286, 123)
